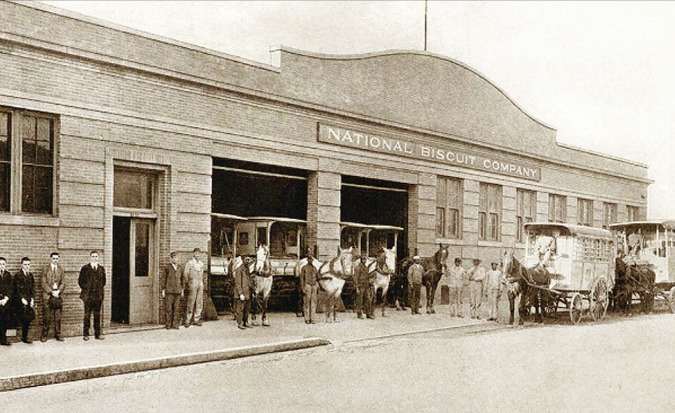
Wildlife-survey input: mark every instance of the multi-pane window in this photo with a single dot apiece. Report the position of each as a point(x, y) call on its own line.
point(489, 212)
point(30, 137)
point(585, 212)
point(632, 213)
point(5, 159)
point(557, 210)
point(526, 210)
point(448, 207)
point(608, 214)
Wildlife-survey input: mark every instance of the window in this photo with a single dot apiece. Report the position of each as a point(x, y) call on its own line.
point(489, 212)
point(26, 161)
point(585, 212)
point(557, 210)
point(633, 213)
point(448, 207)
point(608, 214)
point(526, 211)
point(133, 189)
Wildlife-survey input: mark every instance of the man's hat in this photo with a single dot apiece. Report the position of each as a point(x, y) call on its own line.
point(416, 257)
point(196, 250)
point(173, 254)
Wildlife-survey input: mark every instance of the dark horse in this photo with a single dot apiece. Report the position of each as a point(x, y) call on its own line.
point(522, 286)
point(633, 279)
point(434, 268)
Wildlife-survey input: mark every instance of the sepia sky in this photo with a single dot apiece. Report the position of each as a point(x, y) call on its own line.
point(602, 74)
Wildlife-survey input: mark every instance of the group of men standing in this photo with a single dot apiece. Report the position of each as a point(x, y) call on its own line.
point(17, 297)
point(482, 285)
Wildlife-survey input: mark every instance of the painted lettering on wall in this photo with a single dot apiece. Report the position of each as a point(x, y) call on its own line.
point(436, 153)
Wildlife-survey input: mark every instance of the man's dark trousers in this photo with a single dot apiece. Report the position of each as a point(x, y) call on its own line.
point(172, 304)
point(4, 318)
point(89, 307)
point(243, 309)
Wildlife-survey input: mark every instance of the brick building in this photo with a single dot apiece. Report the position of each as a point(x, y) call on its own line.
point(126, 142)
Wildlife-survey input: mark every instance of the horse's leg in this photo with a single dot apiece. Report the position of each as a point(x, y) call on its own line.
point(512, 300)
point(255, 306)
point(385, 287)
point(518, 303)
point(266, 296)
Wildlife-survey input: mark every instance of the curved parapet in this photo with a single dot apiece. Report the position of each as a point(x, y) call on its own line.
point(420, 89)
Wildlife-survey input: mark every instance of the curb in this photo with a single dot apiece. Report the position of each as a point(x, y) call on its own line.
point(486, 327)
point(83, 373)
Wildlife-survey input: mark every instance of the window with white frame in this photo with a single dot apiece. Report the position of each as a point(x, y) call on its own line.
point(526, 211)
point(448, 207)
point(26, 161)
point(557, 209)
point(632, 213)
point(490, 212)
point(608, 214)
point(585, 212)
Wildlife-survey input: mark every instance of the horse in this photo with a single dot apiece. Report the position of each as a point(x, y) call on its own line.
point(633, 279)
point(332, 277)
point(434, 268)
point(522, 286)
point(382, 268)
point(262, 285)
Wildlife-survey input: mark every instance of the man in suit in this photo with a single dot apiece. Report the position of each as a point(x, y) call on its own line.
point(5, 296)
point(92, 282)
point(53, 283)
point(23, 292)
point(172, 283)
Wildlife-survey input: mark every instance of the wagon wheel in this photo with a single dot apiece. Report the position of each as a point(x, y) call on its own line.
point(671, 300)
point(599, 299)
point(576, 308)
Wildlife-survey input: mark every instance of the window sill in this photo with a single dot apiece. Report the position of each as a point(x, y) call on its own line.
point(29, 220)
point(450, 241)
point(490, 244)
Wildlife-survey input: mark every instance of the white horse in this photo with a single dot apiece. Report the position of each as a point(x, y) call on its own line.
point(262, 284)
point(382, 274)
point(332, 275)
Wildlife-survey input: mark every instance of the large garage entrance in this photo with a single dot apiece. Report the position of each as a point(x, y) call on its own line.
point(368, 201)
point(255, 204)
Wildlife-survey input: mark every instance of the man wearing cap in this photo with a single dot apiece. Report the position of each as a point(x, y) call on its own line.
point(415, 273)
point(456, 284)
point(172, 283)
point(362, 281)
point(242, 292)
point(493, 290)
point(476, 277)
point(310, 287)
point(194, 279)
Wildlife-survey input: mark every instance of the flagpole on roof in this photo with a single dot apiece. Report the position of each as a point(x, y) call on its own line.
point(425, 24)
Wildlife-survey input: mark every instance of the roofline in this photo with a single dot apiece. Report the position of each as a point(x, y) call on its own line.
point(666, 223)
point(390, 52)
point(370, 226)
point(604, 155)
point(573, 229)
point(277, 219)
point(228, 216)
point(125, 29)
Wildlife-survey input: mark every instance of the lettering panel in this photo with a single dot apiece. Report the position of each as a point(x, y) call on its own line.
point(445, 154)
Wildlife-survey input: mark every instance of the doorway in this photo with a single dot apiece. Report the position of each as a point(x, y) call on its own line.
point(133, 271)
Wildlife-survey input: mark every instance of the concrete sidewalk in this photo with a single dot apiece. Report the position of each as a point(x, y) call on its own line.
point(37, 364)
